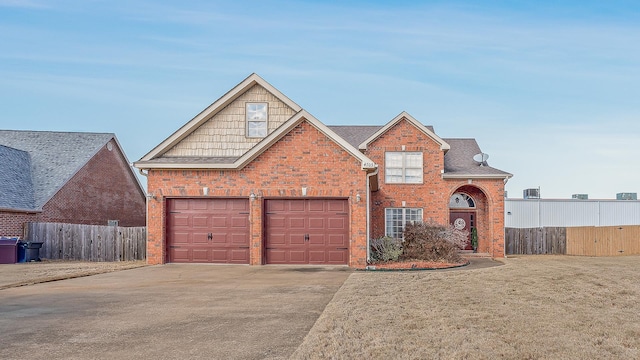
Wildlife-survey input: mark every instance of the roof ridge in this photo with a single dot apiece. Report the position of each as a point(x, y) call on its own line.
point(59, 132)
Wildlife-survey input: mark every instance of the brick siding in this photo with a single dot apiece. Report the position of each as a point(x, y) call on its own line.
point(433, 194)
point(303, 158)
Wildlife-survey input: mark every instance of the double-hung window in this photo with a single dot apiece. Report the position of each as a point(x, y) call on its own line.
point(256, 119)
point(403, 167)
point(397, 218)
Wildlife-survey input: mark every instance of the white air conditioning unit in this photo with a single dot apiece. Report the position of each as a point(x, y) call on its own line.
point(531, 193)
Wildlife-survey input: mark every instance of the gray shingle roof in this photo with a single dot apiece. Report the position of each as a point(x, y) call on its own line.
point(354, 135)
point(55, 158)
point(459, 159)
point(16, 188)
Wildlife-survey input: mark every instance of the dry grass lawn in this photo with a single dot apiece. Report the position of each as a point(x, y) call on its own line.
point(21, 274)
point(533, 307)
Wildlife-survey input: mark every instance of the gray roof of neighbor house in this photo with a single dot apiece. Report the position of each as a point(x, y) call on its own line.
point(55, 157)
point(16, 188)
point(457, 161)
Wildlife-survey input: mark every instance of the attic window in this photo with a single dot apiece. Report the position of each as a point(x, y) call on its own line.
point(256, 119)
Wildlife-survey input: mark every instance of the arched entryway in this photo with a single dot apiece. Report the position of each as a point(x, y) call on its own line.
point(462, 215)
point(467, 211)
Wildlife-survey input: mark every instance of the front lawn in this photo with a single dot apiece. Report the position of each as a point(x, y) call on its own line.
point(534, 307)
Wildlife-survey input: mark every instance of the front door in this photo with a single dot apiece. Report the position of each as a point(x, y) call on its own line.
point(464, 220)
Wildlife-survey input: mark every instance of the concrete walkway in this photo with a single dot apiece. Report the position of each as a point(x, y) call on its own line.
point(168, 312)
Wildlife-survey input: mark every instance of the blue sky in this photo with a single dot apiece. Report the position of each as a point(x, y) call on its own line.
point(550, 91)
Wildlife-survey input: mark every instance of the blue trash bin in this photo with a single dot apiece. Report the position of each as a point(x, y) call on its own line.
point(32, 251)
point(22, 251)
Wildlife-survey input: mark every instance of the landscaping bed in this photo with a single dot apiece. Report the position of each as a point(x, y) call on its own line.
point(415, 265)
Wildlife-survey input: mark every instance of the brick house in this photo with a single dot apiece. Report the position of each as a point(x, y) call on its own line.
point(81, 178)
point(256, 179)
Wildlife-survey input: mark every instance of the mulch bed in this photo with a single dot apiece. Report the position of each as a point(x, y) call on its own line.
point(414, 265)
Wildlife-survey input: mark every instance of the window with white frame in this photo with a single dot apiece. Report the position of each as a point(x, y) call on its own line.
point(256, 119)
point(397, 218)
point(403, 167)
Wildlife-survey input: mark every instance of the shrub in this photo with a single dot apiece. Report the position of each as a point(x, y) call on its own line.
point(433, 242)
point(385, 249)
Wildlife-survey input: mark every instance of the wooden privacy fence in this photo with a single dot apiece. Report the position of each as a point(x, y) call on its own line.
point(586, 240)
point(604, 241)
point(88, 242)
point(536, 241)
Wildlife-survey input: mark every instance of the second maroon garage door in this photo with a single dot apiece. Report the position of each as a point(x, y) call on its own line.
point(208, 230)
point(309, 231)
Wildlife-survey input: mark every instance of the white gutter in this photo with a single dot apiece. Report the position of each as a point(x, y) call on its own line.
point(369, 175)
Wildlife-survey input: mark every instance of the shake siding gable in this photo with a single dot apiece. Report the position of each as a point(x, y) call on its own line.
point(224, 135)
point(304, 157)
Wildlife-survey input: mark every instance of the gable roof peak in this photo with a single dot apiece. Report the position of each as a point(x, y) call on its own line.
point(214, 108)
point(406, 116)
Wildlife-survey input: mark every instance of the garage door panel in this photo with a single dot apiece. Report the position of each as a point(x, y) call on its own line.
point(180, 255)
point(180, 204)
point(240, 222)
point(316, 223)
point(218, 239)
point(179, 220)
point(200, 255)
point(219, 255)
point(240, 256)
point(238, 239)
point(317, 257)
point(219, 221)
point(297, 257)
point(317, 239)
point(336, 223)
point(289, 222)
point(338, 240)
point(296, 206)
point(296, 239)
point(276, 256)
point(317, 206)
point(239, 205)
point(297, 223)
point(208, 230)
point(199, 238)
point(277, 222)
point(199, 221)
point(275, 206)
point(337, 257)
point(337, 206)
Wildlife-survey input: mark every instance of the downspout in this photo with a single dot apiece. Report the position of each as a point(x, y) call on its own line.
point(146, 215)
point(369, 175)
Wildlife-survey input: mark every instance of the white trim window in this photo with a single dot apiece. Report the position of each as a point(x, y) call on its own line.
point(403, 167)
point(257, 119)
point(397, 218)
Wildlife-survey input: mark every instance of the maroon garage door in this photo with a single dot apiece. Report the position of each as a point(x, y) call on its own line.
point(309, 231)
point(208, 230)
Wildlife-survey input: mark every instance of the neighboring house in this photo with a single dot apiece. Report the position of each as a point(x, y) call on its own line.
point(81, 178)
point(256, 179)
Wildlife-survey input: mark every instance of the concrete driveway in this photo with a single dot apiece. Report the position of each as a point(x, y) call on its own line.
point(168, 312)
